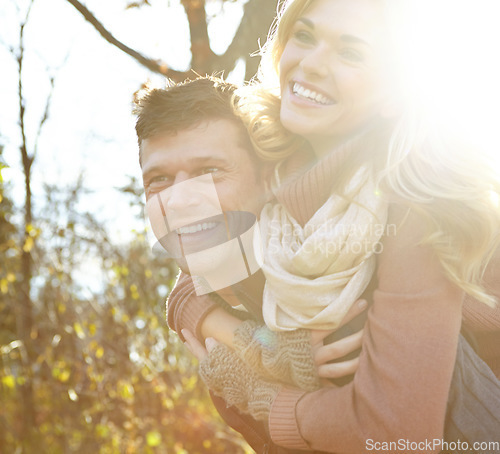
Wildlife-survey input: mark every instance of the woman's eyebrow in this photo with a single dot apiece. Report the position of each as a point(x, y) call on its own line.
point(351, 39)
point(306, 22)
point(345, 37)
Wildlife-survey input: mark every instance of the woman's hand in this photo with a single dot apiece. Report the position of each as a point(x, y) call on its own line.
point(323, 354)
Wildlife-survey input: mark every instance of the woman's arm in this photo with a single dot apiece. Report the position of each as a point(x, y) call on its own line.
point(286, 357)
point(401, 387)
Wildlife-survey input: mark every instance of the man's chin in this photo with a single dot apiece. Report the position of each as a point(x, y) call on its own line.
point(182, 264)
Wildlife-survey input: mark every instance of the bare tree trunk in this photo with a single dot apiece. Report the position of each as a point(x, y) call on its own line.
point(24, 316)
point(258, 16)
point(201, 54)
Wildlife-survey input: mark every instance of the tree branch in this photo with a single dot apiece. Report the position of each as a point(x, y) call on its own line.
point(257, 18)
point(155, 66)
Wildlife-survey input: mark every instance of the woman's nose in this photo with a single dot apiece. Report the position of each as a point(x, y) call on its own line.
point(316, 62)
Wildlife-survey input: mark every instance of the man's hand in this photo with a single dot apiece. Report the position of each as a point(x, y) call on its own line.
point(195, 346)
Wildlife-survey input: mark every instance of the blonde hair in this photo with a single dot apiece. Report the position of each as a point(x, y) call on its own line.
point(259, 103)
point(448, 181)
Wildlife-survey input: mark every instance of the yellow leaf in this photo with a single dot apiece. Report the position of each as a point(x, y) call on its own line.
point(28, 244)
point(99, 353)
point(4, 286)
point(126, 390)
point(153, 438)
point(9, 381)
point(102, 430)
point(11, 277)
point(79, 330)
point(64, 375)
point(92, 329)
point(61, 308)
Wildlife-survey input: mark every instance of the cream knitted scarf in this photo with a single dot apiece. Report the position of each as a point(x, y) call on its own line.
point(315, 272)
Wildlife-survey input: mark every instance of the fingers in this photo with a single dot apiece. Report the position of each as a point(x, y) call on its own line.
point(194, 345)
point(338, 349)
point(357, 308)
point(337, 370)
point(317, 335)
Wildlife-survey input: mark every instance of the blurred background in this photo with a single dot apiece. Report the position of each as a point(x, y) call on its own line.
point(87, 364)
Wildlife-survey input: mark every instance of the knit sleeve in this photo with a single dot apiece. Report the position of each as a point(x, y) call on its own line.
point(284, 357)
point(185, 309)
point(401, 387)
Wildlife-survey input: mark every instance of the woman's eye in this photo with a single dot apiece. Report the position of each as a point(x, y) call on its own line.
point(352, 54)
point(303, 36)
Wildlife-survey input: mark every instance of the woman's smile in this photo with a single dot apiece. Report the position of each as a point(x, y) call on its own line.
point(306, 92)
point(331, 70)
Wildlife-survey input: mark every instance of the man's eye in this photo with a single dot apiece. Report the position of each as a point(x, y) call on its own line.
point(157, 184)
point(207, 170)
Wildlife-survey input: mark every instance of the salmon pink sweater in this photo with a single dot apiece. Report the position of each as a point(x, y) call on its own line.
point(401, 387)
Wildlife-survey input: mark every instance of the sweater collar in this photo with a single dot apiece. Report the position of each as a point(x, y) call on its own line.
point(309, 182)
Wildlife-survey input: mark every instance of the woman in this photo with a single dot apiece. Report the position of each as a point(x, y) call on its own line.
point(335, 86)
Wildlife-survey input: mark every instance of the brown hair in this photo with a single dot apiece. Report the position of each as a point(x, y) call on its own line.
point(181, 106)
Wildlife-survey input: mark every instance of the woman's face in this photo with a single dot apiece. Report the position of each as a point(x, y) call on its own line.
point(331, 70)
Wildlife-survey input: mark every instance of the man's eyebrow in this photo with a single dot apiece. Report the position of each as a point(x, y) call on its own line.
point(207, 160)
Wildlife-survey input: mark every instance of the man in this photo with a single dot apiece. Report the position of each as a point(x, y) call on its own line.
point(202, 179)
point(205, 188)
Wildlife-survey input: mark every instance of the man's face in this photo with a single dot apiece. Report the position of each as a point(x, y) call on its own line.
point(191, 178)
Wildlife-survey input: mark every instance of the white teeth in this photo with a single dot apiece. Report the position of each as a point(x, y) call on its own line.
point(303, 92)
point(196, 228)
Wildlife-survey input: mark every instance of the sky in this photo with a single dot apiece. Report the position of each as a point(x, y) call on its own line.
point(90, 128)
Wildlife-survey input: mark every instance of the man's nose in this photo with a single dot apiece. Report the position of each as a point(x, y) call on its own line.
point(182, 195)
point(190, 200)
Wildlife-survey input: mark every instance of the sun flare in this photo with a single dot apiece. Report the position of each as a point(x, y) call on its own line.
point(449, 59)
